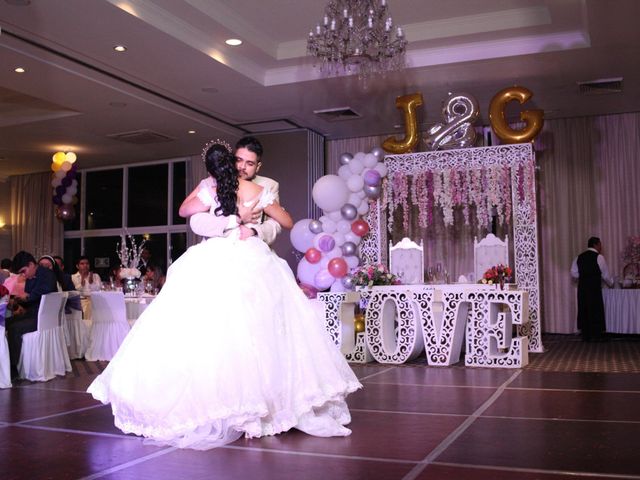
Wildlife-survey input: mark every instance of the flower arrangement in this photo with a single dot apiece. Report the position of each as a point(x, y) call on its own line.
point(370, 275)
point(129, 252)
point(631, 253)
point(497, 274)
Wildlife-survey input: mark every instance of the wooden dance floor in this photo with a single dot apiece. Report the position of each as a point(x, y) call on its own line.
point(409, 422)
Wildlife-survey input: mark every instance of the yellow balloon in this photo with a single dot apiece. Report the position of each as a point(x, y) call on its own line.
point(55, 166)
point(534, 119)
point(359, 326)
point(70, 157)
point(59, 157)
point(408, 104)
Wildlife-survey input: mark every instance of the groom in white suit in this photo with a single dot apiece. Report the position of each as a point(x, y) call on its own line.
point(248, 153)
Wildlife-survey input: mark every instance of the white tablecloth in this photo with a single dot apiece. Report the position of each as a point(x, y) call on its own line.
point(622, 310)
point(135, 306)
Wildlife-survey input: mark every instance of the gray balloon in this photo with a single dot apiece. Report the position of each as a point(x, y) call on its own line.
point(348, 249)
point(379, 153)
point(372, 191)
point(345, 158)
point(348, 211)
point(347, 281)
point(315, 226)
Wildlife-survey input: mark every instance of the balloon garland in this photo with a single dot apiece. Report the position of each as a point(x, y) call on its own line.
point(330, 244)
point(65, 185)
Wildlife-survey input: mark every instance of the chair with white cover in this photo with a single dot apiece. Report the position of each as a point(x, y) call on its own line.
point(5, 369)
point(406, 260)
point(44, 352)
point(109, 325)
point(488, 252)
point(76, 332)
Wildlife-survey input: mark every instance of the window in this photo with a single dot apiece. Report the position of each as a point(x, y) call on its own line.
point(141, 200)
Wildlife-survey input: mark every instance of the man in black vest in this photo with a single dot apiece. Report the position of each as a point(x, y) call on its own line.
point(590, 268)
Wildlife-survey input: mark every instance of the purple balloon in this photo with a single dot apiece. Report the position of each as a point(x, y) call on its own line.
point(60, 190)
point(372, 178)
point(66, 181)
point(57, 200)
point(326, 243)
point(323, 279)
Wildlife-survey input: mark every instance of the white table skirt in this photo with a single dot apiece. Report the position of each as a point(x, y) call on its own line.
point(622, 310)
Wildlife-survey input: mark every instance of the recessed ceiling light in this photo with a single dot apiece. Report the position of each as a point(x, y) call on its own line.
point(191, 131)
point(120, 48)
point(234, 42)
point(20, 70)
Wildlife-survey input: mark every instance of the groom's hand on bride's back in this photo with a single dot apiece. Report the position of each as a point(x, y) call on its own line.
point(249, 213)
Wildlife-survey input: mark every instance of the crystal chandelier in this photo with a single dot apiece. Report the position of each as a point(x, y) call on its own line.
point(357, 36)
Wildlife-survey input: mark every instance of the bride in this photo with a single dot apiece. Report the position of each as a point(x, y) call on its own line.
point(231, 345)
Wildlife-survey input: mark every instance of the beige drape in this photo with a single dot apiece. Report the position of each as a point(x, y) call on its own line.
point(587, 185)
point(196, 171)
point(34, 226)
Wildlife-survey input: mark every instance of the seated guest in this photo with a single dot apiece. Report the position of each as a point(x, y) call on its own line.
point(65, 283)
point(5, 269)
point(154, 277)
point(114, 278)
point(86, 282)
point(39, 281)
point(84, 279)
point(66, 275)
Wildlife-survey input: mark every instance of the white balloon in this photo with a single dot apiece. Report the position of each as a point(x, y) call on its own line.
point(355, 183)
point(382, 169)
point(328, 225)
point(339, 238)
point(360, 156)
point(306, 271)
point(335, 253)
point(336, 216)
point(363, 208)
point(355, 165)
point(330, 192)
point(323, 218)
point(74, 183)
point(352, 261)
point(344, 172)
point(72, 190)
point(370, 160)
point(343, 226)
point(56, 181)
point(354, 199)
point(361, 195)
point(66, 198)
point(337, 286)
point(301, 237)
point(352, 237)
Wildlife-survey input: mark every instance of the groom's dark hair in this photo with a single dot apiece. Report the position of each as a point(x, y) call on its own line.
point(252, 144)
point(592, 242)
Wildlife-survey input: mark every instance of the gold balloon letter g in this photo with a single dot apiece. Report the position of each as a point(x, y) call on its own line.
point(534, 119)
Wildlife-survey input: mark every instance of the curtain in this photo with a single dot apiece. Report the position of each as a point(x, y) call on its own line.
point(34, 226)
point(196, 171)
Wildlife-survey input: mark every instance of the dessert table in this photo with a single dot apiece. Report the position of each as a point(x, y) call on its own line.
point(622, 309)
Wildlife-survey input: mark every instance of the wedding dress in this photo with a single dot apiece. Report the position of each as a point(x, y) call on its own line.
point(230, 346)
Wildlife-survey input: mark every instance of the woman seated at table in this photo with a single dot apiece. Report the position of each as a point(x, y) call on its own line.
point(153, 278)
point(86, 282)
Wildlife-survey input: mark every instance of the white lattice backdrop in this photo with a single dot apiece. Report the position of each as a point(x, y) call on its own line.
point(521, 161)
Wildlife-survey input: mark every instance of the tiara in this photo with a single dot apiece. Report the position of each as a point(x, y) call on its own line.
point(211, 143)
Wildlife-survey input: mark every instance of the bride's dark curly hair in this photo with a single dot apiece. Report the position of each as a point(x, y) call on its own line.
point(221, 165)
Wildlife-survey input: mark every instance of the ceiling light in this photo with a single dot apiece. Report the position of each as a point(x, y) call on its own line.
point(19, 70)
point(234, 42)
point(191, 131)
point(357, 36)
point(120, 48)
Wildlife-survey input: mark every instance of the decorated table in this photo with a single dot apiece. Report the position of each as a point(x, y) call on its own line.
point(622, 310)
point(403, 320)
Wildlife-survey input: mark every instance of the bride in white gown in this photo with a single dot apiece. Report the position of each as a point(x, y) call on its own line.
point(231, 345)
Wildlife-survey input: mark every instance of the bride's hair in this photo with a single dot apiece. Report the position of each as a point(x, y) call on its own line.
point(221, 165)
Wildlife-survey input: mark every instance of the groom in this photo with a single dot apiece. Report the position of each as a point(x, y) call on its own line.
point(248, 153)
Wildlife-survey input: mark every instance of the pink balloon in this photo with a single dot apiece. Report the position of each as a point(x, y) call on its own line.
point(312, 255)
point(309, 290)
point(360, 228)
point(338, 267)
